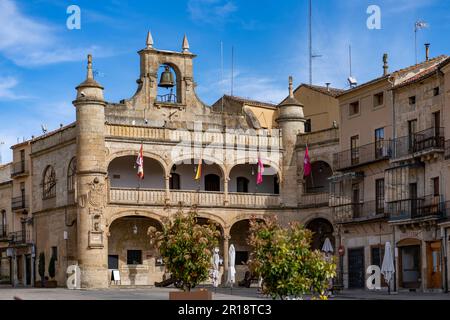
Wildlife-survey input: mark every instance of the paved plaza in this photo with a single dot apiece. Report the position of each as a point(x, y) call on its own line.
point(152, 293)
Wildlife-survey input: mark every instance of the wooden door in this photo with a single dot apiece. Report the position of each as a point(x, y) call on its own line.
point(356, 272)
point(434, 265)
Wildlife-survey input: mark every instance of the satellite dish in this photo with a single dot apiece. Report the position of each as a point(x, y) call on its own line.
point(352, 81)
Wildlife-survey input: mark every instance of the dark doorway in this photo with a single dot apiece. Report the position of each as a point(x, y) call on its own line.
point(321, 229)
point(28, 269)
point(212, 182)
point(356, 268)
point(113, 262)
point(242, 184)
point(410, 266)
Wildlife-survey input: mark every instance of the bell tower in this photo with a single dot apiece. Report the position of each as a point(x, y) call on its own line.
point(291, 121)
point(176, 69)
point(91, 181)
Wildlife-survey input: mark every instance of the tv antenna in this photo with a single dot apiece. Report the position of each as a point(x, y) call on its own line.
point(311, 55)
point(351, 80)
point(419, 25)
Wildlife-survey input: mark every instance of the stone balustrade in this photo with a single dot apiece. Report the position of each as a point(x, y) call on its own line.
point(188, 198)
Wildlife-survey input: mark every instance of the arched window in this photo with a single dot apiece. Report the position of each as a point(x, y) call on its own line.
point(242, 184)
point(212, 182)
point(49, 183)
point(174, 181)
point(71, 173)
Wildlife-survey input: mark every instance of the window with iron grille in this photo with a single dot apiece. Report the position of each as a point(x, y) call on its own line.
point(134, 257)
point(71, 174)
point(354, 144)
point(49, 183)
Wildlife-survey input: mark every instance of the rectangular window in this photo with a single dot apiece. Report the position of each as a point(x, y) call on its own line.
point(134, 257)
point(308, 125)
point(353, 108)
point(55, 252)
point(379, 138)
point(435, 186)
point(379, 196)
point(354, 144)
point(436, 91)
point(113, 262)
point(356, 201)
point(412, 100)
point(412, 129)
point(378, 99)
point(437, 123)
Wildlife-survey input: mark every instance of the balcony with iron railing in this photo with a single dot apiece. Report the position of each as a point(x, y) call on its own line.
point(19, 237)
point(20, 168)
point(314, 199)
point(19, 203)
point(365, 154)
point(420, 143)
point(424, 207)
point(360, 211)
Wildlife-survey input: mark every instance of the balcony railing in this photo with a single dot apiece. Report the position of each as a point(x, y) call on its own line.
point(19, 203)
point(19, 168)
point(358, 211)
point(426, 140)
point(447, 149)
point(315, 200)
point(364, 154)
point(428, 206)
point(192, 197)
point(18, 237)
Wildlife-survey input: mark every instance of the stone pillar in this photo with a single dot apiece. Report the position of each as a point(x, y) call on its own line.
point(15, 280)
point(91, 183)
point(225, 191)
point(226, 245)
point(167, 180)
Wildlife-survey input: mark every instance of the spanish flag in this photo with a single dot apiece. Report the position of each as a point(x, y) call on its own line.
point(198, 173)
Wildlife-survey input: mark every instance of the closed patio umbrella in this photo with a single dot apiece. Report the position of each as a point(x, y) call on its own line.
point(327, 247)
point(231, 268)
point(387, 268)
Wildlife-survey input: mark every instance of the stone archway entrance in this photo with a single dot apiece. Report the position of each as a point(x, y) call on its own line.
point(130, 251)
point(321, 229)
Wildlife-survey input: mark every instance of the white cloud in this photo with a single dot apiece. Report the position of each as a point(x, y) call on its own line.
point(29, 42)
point(210, 11)
point(7, 85)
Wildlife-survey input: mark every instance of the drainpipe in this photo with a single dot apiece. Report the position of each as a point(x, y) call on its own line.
point(395, 260)
point(445, 260)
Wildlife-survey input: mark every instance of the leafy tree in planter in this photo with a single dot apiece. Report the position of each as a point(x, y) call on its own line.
point(284, 259)
point(186, 247)
point(41, 267)
point(51, 267)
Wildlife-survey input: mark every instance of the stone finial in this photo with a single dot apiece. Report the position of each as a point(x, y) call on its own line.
point(90, 73)
point(149, 40)
point(185, 45)
point(385, 64)
point(291, 89)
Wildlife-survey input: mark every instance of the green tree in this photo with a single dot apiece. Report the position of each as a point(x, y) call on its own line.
point(41, 266)
point(186, 247)
point(51, 267)
point(284, 259)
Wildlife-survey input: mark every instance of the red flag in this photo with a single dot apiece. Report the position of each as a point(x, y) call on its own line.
point(259, 177)
point(140, 163)
point(306, 163)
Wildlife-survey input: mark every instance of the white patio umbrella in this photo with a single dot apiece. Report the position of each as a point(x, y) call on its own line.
point(231, 268)
point(215, 274)
point(327, 247)
point(387, 268)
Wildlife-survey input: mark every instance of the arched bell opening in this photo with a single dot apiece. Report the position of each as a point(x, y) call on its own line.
point(169, 84)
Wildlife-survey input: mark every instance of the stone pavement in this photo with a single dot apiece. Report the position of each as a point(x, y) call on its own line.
point(8, 293)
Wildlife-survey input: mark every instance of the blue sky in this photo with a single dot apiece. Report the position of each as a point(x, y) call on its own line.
point(41, 61)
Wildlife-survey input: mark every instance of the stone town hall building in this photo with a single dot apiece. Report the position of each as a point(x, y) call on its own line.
point(74, 194)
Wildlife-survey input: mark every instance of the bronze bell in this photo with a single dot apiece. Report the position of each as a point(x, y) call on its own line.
point(166, 80)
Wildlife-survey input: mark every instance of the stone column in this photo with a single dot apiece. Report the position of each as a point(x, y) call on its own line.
point(167, 180)
point(226, 241)
point(225, 192)
point(15, 280)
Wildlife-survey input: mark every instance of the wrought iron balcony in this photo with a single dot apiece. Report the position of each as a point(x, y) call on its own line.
point(428, 206)
point(353, 212)
point(315, 200)
point(19, 168)
point(18, 237)
point(365, 154)
point(420, 142)
point(19, 203)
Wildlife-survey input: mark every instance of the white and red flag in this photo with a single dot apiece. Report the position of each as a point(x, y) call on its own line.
point(140, 163)
point(306, 163)
point(259, 177)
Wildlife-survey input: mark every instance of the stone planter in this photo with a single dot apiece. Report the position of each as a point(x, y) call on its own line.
point(193, 295)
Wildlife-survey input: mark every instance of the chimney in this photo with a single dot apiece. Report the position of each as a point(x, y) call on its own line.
point(328, 86)
point(385, 64)
point(427, 51)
